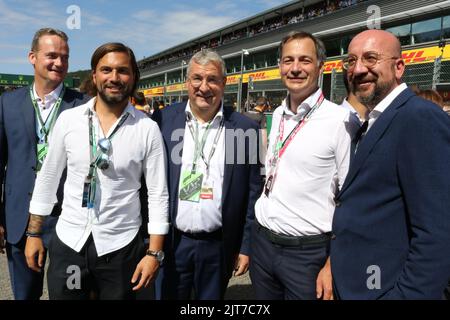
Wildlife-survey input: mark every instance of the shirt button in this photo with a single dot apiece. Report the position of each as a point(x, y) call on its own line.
point(338, 204)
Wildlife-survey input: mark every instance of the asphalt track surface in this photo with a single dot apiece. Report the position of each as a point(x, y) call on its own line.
point(239, 288)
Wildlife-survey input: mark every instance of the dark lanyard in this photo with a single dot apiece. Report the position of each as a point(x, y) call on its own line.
point(200, 146)
point(51, 116)
point(93, 164)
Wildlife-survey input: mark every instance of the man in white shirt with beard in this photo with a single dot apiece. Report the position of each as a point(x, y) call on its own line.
point(107, 145)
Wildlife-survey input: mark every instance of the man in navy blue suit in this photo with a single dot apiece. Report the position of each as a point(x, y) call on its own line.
point(214, 180)
point(27, 116)
point(392, 220)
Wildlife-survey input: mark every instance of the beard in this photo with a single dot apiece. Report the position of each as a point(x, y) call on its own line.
point(114, 99)
point(374, 97)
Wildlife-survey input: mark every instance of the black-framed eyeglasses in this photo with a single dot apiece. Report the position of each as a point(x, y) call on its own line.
point(103, 148)
point(368, 59)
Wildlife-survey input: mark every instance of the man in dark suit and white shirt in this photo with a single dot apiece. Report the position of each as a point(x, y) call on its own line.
point(213, 185)
point(27, 116)
point(392, 220)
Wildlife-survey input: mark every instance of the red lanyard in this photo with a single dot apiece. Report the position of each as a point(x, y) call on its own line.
point(282, 146)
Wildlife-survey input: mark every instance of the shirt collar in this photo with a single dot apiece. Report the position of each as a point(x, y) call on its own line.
point(91, 103)
point(304, 107)
point(346, 105)
point(52, 96)
point(383, 104)
point(217, 117)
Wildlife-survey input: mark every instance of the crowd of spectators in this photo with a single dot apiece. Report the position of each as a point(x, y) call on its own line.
point(297, 16)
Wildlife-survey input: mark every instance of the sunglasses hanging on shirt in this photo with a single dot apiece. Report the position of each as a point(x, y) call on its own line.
point(100, 158)
point(103, 161)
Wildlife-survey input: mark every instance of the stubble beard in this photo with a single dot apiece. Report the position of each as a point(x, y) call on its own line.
point(117, 99)
point(380, 92)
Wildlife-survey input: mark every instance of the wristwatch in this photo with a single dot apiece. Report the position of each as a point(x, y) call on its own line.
point(159, 255)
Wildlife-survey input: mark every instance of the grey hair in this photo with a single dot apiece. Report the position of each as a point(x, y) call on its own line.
point(206, 56)
point(46, 32)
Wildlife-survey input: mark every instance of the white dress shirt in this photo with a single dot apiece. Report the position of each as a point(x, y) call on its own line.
point(309, 172)
point(205, 215)
point(137, 148)
point(380, 107)
point(354, 115)
point(46, 105)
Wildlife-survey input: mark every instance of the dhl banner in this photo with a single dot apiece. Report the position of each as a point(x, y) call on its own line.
point(414, 56)
point(176, 87)
point(271, 74)
point(265, 75)
point(158, 91)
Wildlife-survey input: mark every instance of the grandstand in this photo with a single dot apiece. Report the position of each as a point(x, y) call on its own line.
point(250, 47)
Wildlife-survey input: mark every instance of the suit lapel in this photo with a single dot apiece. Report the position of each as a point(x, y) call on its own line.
point(373, 136)
point(179, 123)
point(228, 172)
point(67, 102)
point(29, 118)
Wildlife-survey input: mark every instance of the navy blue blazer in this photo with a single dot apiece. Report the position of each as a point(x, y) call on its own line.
point(392, 215)
point(18, 157)
point(242, 183)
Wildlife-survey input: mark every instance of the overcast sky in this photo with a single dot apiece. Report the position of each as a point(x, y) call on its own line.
point(147, 27)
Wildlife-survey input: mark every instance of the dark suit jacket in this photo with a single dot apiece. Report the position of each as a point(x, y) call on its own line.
point(241, 186)
point(18, 157)
point(393, 212)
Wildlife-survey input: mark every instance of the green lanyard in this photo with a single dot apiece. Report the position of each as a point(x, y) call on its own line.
point(45, 131)
point(199, 146)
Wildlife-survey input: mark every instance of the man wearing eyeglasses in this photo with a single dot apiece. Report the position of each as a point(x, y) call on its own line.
point(27, 116)
point(392, 218)
point(107, 145)
point(214, 180)
point(306, 163)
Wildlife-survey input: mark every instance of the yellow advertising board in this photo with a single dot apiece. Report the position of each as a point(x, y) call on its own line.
point(271, 74)
point(176, 87)
point(158, 91)
point(414, 56)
